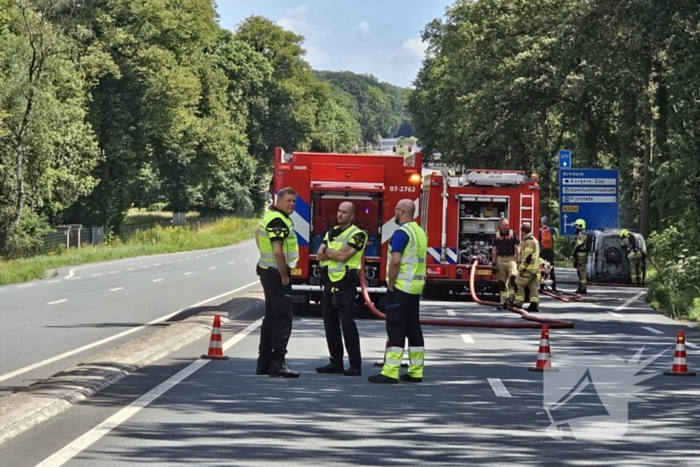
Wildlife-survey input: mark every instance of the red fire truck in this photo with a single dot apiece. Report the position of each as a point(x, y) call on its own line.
point(374, 183)
point(460, 213)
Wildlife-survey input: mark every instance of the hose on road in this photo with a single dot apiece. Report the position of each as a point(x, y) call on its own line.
point(535, 322)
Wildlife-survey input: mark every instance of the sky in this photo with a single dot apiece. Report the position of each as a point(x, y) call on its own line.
point(378, 37)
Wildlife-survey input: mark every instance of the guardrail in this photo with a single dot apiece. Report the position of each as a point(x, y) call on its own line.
point(75, 236)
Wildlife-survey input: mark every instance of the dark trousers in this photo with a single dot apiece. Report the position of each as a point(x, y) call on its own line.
point(403, 321)
point(339, 312)
point(277, 325)
point(548, 255)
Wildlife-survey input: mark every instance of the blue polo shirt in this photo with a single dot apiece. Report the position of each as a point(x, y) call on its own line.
point(399, 241)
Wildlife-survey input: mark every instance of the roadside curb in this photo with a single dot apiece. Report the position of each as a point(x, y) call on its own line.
point(30, 406)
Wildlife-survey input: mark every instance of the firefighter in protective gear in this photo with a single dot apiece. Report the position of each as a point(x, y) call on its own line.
point(504, 257)
point(581, 254)
point(528, 270)
point(279, 253)
point(340, 258)
point(546, 238)
point(406, 269)
point(630, 246)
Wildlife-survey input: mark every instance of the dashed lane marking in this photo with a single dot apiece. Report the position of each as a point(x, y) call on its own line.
point(213, 267)
point(450, 313)
point(25, 285)
point(57, 301)
point(467, 339)
point(96, 275)
point(116, 289)
point(157, 280)
point(131, 269)
point(188, 273)
point(498, 387)
point(655, 331)
point(114, 272)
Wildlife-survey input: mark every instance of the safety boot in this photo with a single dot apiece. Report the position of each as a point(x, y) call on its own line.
point(533, 307)
point(330, 368)
point(580, 291)
point(353, 371)
point(381, 379)
point(282, 369)
point(410, 379)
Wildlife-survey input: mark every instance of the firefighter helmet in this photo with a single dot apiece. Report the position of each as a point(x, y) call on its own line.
point(624, 233)
point(580, 223)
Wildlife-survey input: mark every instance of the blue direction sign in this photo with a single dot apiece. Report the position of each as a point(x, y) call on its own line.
point(564, 159)
point(591, 195)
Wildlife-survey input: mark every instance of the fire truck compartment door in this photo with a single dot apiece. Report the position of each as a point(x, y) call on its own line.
point(347, 173)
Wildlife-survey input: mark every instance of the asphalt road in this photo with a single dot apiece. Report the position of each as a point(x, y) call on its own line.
point(478, 404)
point(47, 326)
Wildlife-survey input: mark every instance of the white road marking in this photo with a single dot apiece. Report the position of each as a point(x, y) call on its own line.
point(692, 346)
point(246, 259)
point(626, 304)
point(144, 267)
point(83, 442)
point(25, 285)
point(131, 269)
point(96, 275)
point(232, 262)
point(179, 260)
point(50, 282)
point(213, 267)
point(188, 273)
point(116, 289)
point(57, 301)
point(169, 262)
point(158, 264)
point(450, 313)
point(655, 331)
point(157, 280)
point(187, 259)
point(498, 387)
point(467, 339)
point(114, 272)
point(616, 315)
point(70, 273)
point(198, 256)
point(117, 336)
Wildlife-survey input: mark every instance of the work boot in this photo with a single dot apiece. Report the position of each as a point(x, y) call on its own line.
point(381, 379)
point(278, 369)
point(580, 291)
point(353, 371)
point(262, 367)
point(410, 379)
point(330, 368)
point(554, 288)
point(533, 307)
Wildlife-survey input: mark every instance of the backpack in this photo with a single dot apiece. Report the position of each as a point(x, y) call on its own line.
point(546, 239)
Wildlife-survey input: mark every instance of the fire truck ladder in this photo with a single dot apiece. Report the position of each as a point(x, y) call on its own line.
point(527, 209)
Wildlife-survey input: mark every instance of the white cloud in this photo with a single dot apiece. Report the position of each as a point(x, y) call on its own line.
point(295, 20)
point(415, 47)
point(363, 28)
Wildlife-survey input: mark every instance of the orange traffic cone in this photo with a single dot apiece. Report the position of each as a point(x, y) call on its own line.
point(543, 355)
point(680, 366)
point(216, 351)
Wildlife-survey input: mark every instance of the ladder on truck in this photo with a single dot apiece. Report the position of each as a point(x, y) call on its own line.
point(527, 210)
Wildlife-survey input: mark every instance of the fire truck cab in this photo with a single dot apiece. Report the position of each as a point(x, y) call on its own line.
point(374, 183)
point(461, 213)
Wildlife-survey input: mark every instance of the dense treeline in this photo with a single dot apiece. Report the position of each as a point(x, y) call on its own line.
point(507, 83)
point(109, 104)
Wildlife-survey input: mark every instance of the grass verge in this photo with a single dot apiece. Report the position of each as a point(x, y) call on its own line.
point(143, 243)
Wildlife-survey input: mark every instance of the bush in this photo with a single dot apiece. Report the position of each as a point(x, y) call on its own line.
point(677, 289)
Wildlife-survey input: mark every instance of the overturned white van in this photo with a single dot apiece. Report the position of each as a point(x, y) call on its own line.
point(607, 261)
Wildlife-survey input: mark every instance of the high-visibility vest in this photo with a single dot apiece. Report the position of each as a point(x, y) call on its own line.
point(411, 278)
point(290, 246)
point(338, 269)
point(530, 247)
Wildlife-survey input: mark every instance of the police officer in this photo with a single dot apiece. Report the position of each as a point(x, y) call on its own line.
point(545, 236)
point(581, 254)
point(505, 255)
point(340, 258)
point(405, 281)
point(279, 252)
point(528, 270)
point(634, 255)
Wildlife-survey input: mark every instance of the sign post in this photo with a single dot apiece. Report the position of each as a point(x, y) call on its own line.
point(564, 159)
point(591, 195)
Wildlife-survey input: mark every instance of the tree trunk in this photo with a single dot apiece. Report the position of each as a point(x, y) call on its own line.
point(591, 137)
point(648, 141)
point(661, 145)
